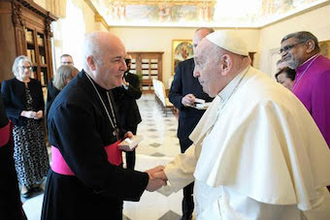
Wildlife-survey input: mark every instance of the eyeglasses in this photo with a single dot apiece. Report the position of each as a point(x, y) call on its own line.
point(29, 68)
point(289, 47)
point(67, 63)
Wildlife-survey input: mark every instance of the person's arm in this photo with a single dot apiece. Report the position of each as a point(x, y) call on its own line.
point(175, 95)
point(179, 172)
point(12, 110)
point(321, 105)
point(40, 107)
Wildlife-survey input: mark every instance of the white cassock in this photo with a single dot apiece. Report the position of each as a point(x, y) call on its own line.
point(257, 154)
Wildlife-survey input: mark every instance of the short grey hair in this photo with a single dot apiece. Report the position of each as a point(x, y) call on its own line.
point(92, 47)
point(63, 73)
point(18, 60)
point(303, 37)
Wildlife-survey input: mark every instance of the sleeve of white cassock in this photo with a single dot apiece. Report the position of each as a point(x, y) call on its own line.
point(179, 172)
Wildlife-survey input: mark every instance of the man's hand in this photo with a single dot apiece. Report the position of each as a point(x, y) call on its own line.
point(188, 100)
point(155, 180)
point(129, 134)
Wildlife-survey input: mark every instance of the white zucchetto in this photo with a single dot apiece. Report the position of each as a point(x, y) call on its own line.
point(229, 41)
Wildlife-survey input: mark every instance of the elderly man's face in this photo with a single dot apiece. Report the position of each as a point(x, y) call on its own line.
point(207, 68)
point(111, 69)
point(293, 52)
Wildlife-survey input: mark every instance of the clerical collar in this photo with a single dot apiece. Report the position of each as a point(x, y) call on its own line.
point(302, 66)
point(232, 86)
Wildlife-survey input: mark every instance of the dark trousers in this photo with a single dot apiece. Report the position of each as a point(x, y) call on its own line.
point(130, 160)
point(188, 191)
point(130, 155)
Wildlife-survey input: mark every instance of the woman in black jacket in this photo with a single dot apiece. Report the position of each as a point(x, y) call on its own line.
point(24, 104)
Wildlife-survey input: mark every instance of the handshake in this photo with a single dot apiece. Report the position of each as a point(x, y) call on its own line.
point(157, 178)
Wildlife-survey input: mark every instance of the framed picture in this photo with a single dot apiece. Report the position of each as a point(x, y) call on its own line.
point(325, 48)
point(181, 50)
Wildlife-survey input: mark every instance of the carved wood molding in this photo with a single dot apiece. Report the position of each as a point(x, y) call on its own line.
point(48, 29)
point(32, 6)
point(16, 15)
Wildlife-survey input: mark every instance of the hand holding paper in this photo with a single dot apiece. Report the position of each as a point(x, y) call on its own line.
point(130, 143)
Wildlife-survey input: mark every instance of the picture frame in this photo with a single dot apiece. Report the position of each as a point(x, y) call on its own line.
point(181, 50)
point(325, 48)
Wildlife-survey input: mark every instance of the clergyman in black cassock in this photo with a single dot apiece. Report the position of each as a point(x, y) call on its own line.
point(83, 182)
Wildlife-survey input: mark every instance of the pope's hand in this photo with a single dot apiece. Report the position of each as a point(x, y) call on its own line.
point(155, 182)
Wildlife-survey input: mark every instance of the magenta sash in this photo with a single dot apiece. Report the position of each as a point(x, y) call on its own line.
point(4, 134)
point(60, 166)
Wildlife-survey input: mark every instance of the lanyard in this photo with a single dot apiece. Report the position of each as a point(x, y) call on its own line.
point(112, 122)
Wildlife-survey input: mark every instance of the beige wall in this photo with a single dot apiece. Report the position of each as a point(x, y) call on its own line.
point(42, 3)
point(160, 39)
point(316, 21)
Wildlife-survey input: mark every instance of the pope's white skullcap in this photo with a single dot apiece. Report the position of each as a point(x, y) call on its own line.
point(229, 41)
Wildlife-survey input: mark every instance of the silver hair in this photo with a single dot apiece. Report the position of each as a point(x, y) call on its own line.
point(303, 37)
point(92, 47)
point(18, 60)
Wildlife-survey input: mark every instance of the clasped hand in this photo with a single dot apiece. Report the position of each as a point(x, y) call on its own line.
point(157, 178)
point(32, 114)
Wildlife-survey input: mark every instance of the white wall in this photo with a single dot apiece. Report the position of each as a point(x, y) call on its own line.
point(70, 31)
point(316, 22)
point(160, 39)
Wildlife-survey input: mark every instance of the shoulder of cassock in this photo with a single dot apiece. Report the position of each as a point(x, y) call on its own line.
point(264, 144)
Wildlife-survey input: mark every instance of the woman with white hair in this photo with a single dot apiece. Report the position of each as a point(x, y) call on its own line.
point(23, 100)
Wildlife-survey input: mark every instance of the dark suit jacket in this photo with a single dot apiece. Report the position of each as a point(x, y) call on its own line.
point(14, 99)
point(125, 101)
point(184, 83)
point(51, 95)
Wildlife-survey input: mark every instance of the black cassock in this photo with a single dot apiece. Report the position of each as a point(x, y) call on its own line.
point(79, 127)
point(10, 203)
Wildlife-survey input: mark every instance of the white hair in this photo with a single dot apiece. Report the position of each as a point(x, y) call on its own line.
point(18, 60)
point(92, 47)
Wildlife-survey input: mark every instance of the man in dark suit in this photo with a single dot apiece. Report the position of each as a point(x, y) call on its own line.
point(185, 88)
point(126, 106)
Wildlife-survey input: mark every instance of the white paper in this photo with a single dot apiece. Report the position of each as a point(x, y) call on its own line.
point(130, 143)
